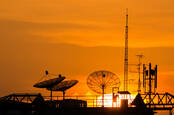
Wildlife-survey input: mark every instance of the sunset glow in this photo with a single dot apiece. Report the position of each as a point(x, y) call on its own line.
point(108, 101)
point(62, 55)
point(75, 38)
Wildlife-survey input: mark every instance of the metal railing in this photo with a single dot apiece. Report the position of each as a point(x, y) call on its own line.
point(92, 101)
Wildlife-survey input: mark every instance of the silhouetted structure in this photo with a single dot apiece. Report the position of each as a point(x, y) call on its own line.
point(102, 82)
point(152, 99)
point(139, 72)
point(49, 83)
point(69, 103)
point(126, 56)
point(149, 79)
point(63, 86)
point(22, 104)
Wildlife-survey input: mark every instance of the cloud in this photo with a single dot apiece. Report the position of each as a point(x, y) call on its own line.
point(80, 33)
point(23, 63)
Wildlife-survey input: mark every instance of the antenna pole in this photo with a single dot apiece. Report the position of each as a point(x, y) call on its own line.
point(139, 68)
point(63, 95)
point(51, 94)
point(126, 55)
point(103, 88)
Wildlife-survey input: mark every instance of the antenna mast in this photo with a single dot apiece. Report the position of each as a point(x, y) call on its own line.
point(126, 55)
point(139, 72)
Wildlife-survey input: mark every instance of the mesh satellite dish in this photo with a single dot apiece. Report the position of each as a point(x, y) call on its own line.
point(63, 86)
point(102, 82)
point(49, 83)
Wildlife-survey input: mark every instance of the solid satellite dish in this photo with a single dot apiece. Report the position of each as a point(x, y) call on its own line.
point(63, 86)
point(49, 83)
point(102, 82)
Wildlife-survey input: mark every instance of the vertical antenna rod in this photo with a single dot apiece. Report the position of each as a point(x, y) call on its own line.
point(139, 68)
point(126, 55)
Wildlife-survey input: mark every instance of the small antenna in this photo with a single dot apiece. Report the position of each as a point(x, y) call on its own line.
point(140, 56)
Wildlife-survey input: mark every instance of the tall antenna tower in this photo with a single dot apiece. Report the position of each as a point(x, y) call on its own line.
point(126, 55)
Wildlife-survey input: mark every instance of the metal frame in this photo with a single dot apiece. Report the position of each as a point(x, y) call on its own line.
point(159, 101)
point(26, 98)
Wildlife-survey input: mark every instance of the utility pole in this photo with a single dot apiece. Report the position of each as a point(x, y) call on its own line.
point(139, 72)
point(126, 55)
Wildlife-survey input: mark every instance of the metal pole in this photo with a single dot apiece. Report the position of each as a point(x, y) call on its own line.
point(150, 90)
point(150, 79)
point(139, 68)
point(144, 77)
point(51, 95)
point(170, 113)
point(63, 95)
point(103, 95)
point(126, 55)
point(96, 101)
point(139, 82)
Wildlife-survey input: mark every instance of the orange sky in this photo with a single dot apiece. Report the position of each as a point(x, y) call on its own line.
point(77, 37)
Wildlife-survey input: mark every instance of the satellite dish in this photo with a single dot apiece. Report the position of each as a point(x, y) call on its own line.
point(49, 83)
point(102, 82)
point(63, 86)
